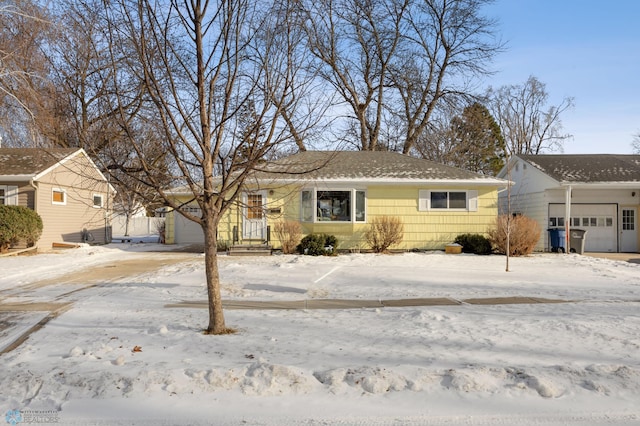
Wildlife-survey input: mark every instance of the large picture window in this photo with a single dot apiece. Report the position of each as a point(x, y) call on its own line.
point(333, 206)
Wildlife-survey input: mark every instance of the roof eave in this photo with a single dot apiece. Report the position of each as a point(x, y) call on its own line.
point(16, 178)
point(57, 164)
point(388, 181)
point(601, 185)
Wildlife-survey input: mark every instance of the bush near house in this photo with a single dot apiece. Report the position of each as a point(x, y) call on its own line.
point(384, 232)
point(318, 245)
point(18, 223)
point(289, 233)
point(474, 243)
point(524, 234)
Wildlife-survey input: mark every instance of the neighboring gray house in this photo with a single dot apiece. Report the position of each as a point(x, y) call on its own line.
point(599, 192)
point(64, 187)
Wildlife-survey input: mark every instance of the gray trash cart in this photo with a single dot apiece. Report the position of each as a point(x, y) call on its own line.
point(576, 240)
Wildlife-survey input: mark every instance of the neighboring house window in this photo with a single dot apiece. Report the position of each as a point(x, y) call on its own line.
point(59, 196)
point(448, 200)
point(333, 206)
point(97, 200)
point(8, 195)
point(600, 221)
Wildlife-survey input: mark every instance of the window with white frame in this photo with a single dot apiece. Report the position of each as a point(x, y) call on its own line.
point(8, 195)
point(453, 200)
point(339, 205)
point(58, 196)
point(97, 201)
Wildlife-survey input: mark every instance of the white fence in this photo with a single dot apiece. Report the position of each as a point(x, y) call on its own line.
point(138, 226)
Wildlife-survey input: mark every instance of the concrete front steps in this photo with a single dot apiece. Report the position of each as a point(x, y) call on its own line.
point(250, 250)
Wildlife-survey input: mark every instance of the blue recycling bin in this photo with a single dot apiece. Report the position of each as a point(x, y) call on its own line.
point(557, 238)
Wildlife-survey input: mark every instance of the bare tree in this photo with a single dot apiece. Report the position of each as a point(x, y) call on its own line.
point(354, 42)
point(24, 85)
point(529, 125)
point(635, 144)
point(437, 143)
point(392, 62)
point(218, 75)
point(445, 45)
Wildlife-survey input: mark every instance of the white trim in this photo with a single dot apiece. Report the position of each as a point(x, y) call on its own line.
point(64, 196)
point(93, 200)
point(424, 200)
point(69, 157)
point(472, 200)
point(15, 178)
point(394, 181)
point(352, 204)
point(10, 195)
point(253, 229)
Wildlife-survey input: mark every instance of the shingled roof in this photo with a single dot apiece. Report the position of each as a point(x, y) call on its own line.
point(367, 166)
point(30, 161)
point(587, 168)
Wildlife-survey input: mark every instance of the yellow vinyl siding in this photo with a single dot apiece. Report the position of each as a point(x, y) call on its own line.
point(430, 230)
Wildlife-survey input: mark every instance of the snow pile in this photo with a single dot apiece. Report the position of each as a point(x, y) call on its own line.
point(121, 356)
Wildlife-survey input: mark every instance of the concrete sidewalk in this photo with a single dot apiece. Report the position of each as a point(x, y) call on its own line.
point(622, 257)
point(364, 304)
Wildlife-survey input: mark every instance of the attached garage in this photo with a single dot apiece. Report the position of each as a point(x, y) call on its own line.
point(602, 190)
point(187, 231)
point(599, 220)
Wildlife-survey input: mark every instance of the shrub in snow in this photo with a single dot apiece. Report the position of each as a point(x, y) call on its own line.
point(318, 245)
point(523, 232)
point(474, 243)
point(289, 233)
point(18, 223)
point(384, 232)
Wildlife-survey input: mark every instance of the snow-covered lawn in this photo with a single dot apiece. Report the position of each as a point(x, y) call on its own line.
point(575, 363)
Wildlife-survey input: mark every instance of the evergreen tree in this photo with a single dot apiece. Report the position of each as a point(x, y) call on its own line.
point(477, 141)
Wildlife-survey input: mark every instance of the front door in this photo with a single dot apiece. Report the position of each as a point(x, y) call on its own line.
point(254, 226)
point(629, 232)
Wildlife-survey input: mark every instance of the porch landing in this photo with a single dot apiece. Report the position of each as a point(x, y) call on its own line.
point(250, 250)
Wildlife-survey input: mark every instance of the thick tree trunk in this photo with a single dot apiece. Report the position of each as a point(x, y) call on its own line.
point(216, 315)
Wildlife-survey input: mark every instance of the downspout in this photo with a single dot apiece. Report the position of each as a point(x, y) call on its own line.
point(107, 215)
point(567, 219)
point(34, 185)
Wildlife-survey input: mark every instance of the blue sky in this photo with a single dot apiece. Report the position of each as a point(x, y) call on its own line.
point(589, 50)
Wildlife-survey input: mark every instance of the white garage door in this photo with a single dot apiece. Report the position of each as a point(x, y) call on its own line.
point(599, 220)
point(187, 231)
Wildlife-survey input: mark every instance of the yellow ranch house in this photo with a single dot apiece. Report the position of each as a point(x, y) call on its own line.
point(339, 193)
